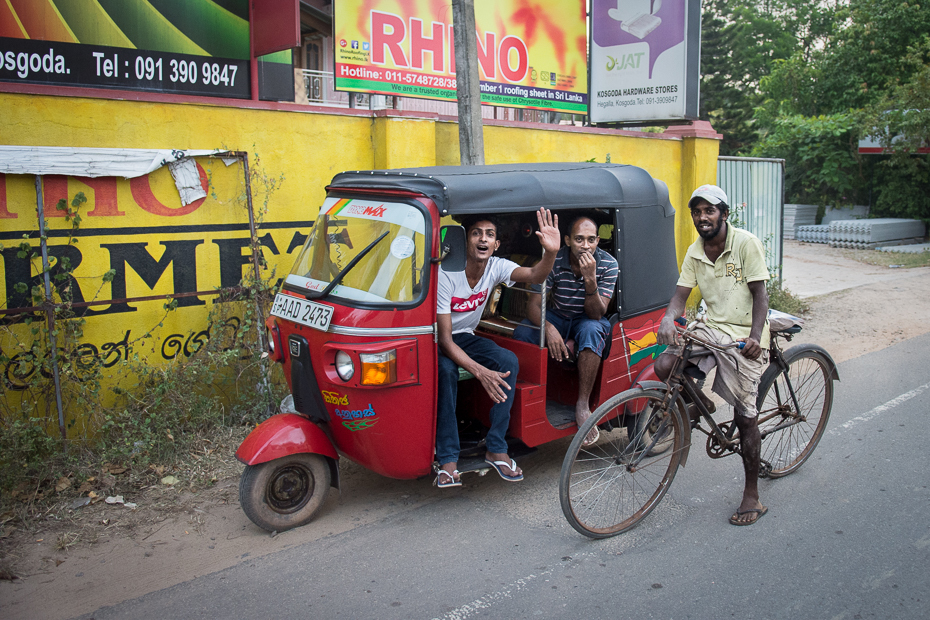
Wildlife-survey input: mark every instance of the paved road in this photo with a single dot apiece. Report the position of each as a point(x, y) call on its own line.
point(846, 537)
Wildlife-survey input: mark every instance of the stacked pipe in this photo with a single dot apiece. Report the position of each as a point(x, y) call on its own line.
point(869, 234)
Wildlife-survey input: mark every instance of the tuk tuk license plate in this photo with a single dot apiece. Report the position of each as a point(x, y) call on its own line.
point(301, 311)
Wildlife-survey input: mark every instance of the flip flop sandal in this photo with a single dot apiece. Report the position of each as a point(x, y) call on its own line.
point(498, 465)
point(760, 512)
point(452, 481)
point(590, 441)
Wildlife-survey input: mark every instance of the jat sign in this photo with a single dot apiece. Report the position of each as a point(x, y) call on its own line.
point(530, 54)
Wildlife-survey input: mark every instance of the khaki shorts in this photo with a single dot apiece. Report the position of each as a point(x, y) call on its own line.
point(737, 380)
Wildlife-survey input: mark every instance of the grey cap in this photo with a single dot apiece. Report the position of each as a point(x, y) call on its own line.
point(711, 193)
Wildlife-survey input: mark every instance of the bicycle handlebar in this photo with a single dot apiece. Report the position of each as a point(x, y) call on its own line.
point(682, 323)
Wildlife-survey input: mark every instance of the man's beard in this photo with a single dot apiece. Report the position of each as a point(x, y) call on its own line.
point(710, 234)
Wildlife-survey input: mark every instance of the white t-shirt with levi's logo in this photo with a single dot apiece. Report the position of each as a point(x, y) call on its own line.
point(465, 303)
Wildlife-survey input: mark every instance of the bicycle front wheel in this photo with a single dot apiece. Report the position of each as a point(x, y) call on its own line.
point(794, 407)
point(609, 487)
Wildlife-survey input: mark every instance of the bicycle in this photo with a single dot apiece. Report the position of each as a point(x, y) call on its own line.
point(645, 434)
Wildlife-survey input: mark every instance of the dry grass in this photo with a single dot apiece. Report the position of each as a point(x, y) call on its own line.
point(65, 519)
point(896, 260)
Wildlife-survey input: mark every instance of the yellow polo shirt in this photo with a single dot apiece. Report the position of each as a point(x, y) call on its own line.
point(724, 283)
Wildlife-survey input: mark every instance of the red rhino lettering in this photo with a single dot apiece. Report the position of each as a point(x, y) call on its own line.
point(142, 194)
point(4, 214)
point(380, 38)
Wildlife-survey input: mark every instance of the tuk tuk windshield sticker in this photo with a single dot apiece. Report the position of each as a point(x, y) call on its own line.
point(402, 247)
point(402, 215)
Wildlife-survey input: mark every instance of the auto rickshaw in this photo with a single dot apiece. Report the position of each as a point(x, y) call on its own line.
point(354, 323)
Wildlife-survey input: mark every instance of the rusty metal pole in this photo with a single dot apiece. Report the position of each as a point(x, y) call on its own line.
point(49, 307)
point(257, 266)
point(468, 86)
point(256, 254)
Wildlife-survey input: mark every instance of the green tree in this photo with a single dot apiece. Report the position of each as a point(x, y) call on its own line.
point(860, 70)
point(822, 164)
point(741, 41)
point(901, 121)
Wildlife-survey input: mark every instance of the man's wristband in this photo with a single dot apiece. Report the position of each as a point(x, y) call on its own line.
point(587, 294)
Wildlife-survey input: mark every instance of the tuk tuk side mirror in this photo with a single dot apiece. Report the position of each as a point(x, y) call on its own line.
point(452, 248)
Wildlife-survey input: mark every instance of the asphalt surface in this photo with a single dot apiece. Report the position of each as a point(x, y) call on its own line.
point(847, 536)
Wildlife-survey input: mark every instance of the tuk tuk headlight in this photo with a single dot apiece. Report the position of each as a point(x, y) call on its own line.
point(379, 368)
point(345, 368)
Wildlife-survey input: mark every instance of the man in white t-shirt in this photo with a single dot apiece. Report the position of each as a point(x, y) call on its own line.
point(460, 301)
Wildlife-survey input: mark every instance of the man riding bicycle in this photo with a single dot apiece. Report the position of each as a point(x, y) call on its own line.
point(728, 265)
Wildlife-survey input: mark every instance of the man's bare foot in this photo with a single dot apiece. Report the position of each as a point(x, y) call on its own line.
point(582, 413)
point(505, 466)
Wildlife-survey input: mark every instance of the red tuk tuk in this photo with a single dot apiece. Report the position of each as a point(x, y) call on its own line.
point(354, 324)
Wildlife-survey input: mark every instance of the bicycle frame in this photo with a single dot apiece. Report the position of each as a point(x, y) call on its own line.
point(678, 380)
point(726, 435)
point(778, 359)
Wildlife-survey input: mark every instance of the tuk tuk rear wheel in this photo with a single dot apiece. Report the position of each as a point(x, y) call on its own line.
point(286, 492)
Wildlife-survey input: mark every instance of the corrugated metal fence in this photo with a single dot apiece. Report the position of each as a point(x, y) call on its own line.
point(756, 189)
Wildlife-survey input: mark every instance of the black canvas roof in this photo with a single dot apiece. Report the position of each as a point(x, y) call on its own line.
point(508, 188)
point(636, 203)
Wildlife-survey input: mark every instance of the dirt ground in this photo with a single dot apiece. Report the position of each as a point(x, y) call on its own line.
point(75, 560)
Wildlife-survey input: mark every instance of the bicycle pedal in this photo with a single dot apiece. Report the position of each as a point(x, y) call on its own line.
point(765, 468)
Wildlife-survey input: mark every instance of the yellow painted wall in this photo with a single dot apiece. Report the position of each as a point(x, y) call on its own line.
point(306, 148)
point(309, 148)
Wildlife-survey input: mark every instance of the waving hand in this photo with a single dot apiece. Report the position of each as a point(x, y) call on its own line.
point(548, 232)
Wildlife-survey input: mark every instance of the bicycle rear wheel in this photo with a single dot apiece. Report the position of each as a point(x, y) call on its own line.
point(608, 488)
point(790, 431)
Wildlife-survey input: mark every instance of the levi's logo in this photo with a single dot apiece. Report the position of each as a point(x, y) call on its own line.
point(467, 305)
point(370, 211)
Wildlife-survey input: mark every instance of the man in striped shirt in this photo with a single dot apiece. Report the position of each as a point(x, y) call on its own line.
point(581, 285)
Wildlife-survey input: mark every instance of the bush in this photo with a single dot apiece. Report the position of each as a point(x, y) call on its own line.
point(28, 452)
point(783, 300)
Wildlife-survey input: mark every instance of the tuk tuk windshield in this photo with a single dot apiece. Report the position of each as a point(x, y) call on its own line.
point(392, 269)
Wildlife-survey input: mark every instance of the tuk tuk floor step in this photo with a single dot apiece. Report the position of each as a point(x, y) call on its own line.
point(470, 463)
point(560, 416)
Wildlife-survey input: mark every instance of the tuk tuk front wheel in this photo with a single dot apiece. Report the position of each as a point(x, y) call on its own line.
point(286, 492)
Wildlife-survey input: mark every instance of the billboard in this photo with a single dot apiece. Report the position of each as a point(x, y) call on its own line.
point(645, 60)
point(530, 54)
point(198, 47)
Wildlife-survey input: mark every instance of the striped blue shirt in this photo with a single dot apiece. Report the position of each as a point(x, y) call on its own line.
point(567, 290)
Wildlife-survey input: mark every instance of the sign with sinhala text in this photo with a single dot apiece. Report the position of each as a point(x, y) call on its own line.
point(645, 60)
point(530, 54)
point(151, 244)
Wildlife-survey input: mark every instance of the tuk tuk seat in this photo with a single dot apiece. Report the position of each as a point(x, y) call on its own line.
point(506, 309)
